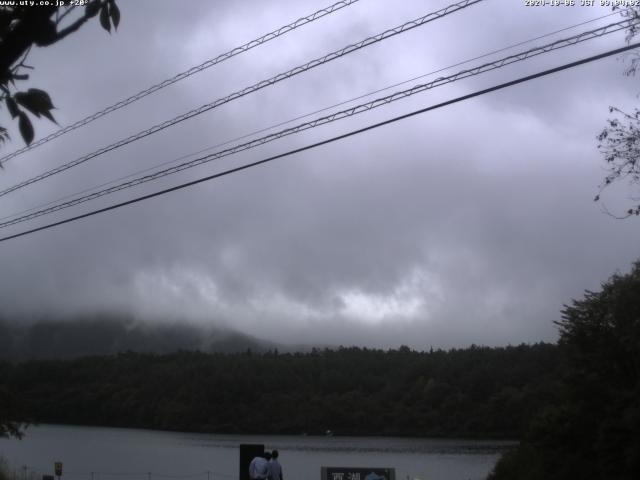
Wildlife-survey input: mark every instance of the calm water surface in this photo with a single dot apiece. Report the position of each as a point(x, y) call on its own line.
point(128, 454)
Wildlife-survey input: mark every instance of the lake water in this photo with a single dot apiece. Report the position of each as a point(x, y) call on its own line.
point(92, 453)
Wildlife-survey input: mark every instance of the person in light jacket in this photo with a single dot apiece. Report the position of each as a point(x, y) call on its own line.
point(275, 469)
point(259, 467)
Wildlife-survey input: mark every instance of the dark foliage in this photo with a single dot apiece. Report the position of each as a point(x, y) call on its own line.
point(476, 391)
point(620, 145)
point(593, 432)
point(620, 139)
point(10, 409)
point(25, 26)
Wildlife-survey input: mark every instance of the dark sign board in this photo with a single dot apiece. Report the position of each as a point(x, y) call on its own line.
point(247, 453)
point(47, 477)
point(357, 473)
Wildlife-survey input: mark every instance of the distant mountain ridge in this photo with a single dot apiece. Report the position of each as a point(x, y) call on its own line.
point(107, 334)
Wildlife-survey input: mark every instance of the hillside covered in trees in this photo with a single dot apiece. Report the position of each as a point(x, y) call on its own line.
point(476, 391)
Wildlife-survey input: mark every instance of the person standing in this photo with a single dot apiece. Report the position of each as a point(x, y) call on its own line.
point(275, 469)
point(259, 467)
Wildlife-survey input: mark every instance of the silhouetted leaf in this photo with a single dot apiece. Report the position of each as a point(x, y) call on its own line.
point(114, 11)
point(12, 106)
point(26, 129)
point(50, 116)
point(46, 33)
point(104, 18)
point(36, 101)
point(23, 99)
point(92, 9)
point(41, 97)
point(4, 136)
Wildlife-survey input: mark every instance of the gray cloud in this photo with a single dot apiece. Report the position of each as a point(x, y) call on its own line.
point(468, 224)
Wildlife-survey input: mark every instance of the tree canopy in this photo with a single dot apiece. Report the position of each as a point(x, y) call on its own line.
point(477, 391)
point(620, 139)
point(9, 411)
point(25, 26)
point(593, 432)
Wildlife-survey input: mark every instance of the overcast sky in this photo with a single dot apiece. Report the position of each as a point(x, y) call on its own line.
point(472, 223)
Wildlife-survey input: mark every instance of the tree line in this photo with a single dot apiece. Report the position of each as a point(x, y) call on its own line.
point(476, 391)
point(591, 428)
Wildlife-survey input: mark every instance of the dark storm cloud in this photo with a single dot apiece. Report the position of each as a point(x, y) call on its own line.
point(468, 224)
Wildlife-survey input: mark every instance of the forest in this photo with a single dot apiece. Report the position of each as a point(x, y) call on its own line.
point(477, 391)
point(590, 430)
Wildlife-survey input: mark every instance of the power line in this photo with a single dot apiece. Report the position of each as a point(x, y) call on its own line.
point(518, 57)
point(262, 84)
point(333, 117)
point(291, 120)
point(331, 140)
point(180, 76)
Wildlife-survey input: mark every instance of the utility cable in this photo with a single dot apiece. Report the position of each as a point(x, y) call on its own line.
point(180, 76)
point(300, 117)
point(262, 84)
point(518, 57)
point(331, 140)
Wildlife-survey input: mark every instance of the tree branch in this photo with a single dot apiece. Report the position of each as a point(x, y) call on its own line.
point(61, 17)
point(605, 210)
point(71, 28)
point(67, 30)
